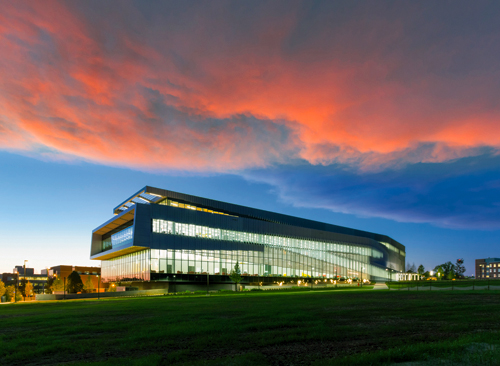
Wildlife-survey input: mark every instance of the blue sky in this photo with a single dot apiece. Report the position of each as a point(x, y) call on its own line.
point(382, 117)
point(50, 209)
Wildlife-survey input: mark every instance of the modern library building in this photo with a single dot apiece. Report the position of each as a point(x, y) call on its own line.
point(160, 238)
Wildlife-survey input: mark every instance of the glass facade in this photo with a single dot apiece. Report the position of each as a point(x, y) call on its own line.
point(279, 256)
point(121, 238)
point(151, 242)
point(128, 267)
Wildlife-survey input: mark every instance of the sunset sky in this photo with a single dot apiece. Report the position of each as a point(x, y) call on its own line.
point(381, 116)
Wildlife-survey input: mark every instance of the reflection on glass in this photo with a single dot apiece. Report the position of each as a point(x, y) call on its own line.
point(280, 256)
point(129, 267)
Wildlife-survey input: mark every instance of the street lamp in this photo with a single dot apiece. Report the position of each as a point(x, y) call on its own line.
point(46, 282)
point(362, 268)
point(16, 290)
point(25, 279)
point(98, 286)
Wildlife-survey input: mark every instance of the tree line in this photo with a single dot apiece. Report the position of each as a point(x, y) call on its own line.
point(74, 284)
point(445, 271)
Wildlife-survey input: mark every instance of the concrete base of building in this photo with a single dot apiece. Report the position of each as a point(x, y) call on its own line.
point(183, 287)
point(102, 295)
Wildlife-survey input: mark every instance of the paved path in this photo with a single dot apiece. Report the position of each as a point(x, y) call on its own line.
point(380, 286)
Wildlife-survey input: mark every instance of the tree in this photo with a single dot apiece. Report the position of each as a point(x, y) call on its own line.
point(57, 284)
point(74, 283)
point(459, 268)
point(439, 272)
point(411, 268)
point(22, 287)
point(446, 268)
point(49, 284)
point(10, 292)
point(450, 275)
point(89, 285)
point(421, 270)
point(2, 288)
point(28, 289)
point(235, 275)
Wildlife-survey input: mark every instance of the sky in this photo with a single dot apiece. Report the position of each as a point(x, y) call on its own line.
point(377, 116)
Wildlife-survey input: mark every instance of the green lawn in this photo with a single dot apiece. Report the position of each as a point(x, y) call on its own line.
point(342, 327)
point(492, 284)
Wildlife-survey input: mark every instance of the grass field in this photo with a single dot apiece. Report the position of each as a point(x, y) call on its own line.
point(343, 327)
point(470, 284)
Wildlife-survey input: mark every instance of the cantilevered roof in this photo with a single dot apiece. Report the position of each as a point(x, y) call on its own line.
point(122, 218)
point(142, 196)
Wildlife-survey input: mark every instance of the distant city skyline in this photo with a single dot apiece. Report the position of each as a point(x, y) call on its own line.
point(381, 117)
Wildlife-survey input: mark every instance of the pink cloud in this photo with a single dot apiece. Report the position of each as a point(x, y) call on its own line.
point(241, 88)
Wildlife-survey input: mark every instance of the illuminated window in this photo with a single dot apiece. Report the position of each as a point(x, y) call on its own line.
point(167, 202)
point(292, 256)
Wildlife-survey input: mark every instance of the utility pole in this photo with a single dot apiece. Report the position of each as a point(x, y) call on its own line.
point(25, 279)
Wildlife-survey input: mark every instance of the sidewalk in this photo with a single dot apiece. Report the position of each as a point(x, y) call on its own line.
point(380, 286)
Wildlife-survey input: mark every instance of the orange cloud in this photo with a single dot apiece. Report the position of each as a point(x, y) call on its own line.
point(175, 88)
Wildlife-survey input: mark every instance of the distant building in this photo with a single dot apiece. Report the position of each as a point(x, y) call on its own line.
point(20, 270)
point(63, 271)
point(9, 278)
point(488, 268)
point(38, 281)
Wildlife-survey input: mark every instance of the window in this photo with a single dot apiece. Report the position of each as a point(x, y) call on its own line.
point(167, 202)
point(279, 255)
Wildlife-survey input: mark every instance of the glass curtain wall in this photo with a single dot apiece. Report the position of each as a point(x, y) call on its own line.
point(280, 256)
point(128, 267)
point(121, 238)
point(270, 262)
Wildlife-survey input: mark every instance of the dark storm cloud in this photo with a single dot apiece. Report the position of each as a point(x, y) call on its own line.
point(462, 194)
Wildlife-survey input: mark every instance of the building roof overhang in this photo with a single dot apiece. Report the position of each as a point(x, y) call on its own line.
point(108, 254)
point(113, 223)
point(142, 196)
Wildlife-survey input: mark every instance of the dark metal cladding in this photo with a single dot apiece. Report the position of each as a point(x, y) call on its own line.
point(272, 217)
point(135, 218)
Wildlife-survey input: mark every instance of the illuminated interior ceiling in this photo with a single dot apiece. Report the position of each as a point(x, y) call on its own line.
point(140, 197)
point(116, 253)
point(115, 222)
